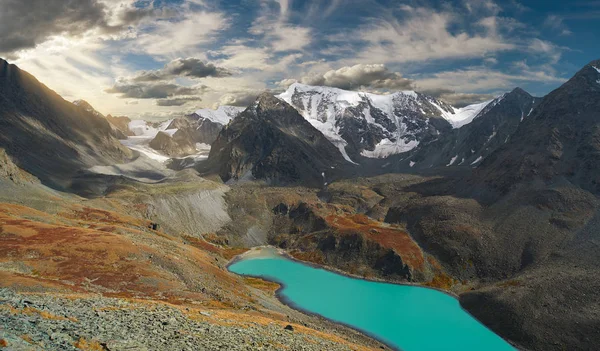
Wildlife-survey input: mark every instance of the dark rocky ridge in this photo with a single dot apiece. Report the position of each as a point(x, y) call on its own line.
point(524, 225)
point(48, 136)
point(271, 141)
point(473, 142)
point(560, 140)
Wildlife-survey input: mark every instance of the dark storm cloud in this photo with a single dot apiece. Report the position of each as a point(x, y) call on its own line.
point(370, 76)
point(153, 91)
point(27, 23)
point(188, 67)
point(177, 101)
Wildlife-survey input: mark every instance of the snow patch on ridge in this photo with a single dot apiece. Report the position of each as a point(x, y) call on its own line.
point(222, 115)
point(452, 161)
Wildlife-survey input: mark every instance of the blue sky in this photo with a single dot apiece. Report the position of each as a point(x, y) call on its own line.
point(156, 59)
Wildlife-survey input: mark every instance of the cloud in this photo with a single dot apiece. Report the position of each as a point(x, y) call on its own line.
point(556, 24)
point(473, 79)
point(153, 91)
point(423, 34)
point(361, 76)
point(277, 33)
point(180, 36)
point(285, 83)
point(239, 98)
point(458, 99)
point(177, 101)
point(188, 67)
point(25, 24)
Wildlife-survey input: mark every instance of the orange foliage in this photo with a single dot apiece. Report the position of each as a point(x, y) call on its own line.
point(88, 345)
point(385, 235)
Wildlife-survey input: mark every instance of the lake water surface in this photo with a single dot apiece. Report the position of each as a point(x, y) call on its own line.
point(405, 317)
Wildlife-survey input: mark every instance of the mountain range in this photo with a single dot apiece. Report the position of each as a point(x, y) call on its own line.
point(496, 203)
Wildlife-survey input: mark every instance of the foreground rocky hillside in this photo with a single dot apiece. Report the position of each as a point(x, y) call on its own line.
point(81, 274)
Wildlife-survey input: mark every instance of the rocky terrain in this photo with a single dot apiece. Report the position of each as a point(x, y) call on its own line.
point(55, 322)
point(99, 245)
point(470, 144)
point(210, 122)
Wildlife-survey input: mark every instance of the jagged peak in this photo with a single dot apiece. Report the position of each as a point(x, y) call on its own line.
point(519, 91)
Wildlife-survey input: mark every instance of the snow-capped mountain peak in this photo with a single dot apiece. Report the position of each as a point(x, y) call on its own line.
point(375, 125)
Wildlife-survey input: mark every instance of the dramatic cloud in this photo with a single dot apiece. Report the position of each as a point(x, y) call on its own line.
point(24, 24)
point(423, 34)
point(189, 67)
point(278, 34)
point(159, 52)
point(27, 23)
point(361, 76)
point(177, 101)
point(153, 91)
point(181, 36)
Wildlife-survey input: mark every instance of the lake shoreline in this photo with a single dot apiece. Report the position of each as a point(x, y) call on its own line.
point(284, 300)
point(292, 304)
point(285, 254)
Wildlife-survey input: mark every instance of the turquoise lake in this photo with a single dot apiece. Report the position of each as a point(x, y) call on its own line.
point(405, 317)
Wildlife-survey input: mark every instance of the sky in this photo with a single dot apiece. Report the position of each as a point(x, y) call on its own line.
point(156, 59)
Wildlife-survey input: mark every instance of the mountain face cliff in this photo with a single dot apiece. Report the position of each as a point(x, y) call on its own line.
point(48, 136)
point(210, 122)
point(271, 141)
point(468, 145)
point(560, 140)
point(376, 126)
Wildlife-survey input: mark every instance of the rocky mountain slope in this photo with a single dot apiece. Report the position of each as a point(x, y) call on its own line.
point(468, 145)
point(525, 224)
point(272, 142)
point(375, 126)
point(559, 141)
point(210, 122)
point(48, 136)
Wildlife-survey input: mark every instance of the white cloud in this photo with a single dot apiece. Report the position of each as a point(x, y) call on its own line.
point(425, 35)
point(180, 38)
point(484, 79)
